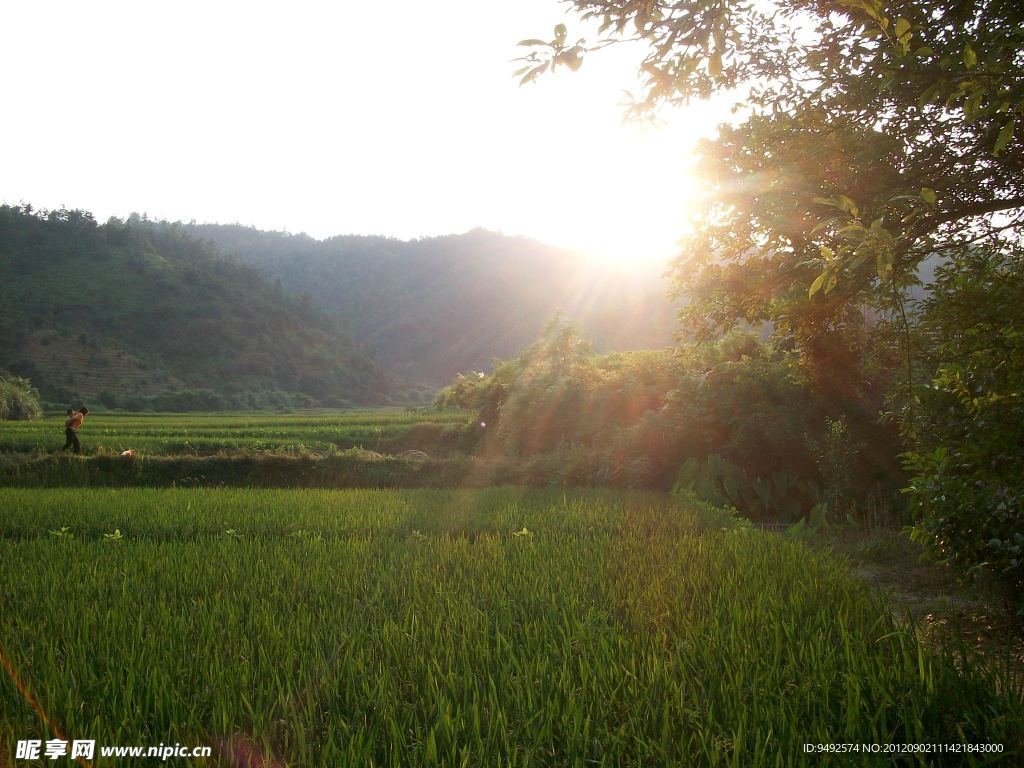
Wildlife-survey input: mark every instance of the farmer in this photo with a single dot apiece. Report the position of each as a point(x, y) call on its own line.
point(71, 426)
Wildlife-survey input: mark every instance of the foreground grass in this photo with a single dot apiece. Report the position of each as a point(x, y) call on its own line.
point(496, 627)
point(158, 434)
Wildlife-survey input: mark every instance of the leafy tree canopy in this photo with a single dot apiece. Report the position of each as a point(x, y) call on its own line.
point(875, 135)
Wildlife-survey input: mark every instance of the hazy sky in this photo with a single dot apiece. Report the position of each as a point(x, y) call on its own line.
point(397, 118)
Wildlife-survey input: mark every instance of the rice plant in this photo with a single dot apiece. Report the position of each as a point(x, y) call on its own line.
point(211, 433)
point(460, 628)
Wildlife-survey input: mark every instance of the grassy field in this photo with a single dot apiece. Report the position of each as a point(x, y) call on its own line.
point(491, 627)
point(211, 433)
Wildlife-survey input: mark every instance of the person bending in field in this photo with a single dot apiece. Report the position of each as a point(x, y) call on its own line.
point(71, 426)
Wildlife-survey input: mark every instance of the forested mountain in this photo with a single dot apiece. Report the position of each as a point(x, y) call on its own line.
point(135, 313)
point(438, 306)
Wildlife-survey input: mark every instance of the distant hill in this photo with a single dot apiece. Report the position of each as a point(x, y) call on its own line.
point(133, 312)
point(438, 306)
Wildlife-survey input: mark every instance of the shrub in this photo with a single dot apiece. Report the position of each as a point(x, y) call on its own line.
point(967, 487)
point(722, 483)
point(19, 400)
point(742, 410)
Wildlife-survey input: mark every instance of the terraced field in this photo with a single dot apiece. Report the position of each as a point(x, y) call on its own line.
point(463, 628)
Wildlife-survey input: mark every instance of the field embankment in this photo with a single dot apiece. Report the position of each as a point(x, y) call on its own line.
point(353, 468)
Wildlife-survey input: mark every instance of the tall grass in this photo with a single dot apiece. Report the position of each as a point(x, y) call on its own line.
point(494, 627)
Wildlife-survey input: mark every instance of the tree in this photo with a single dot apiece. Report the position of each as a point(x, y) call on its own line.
point(967, 481)
point(875, 136)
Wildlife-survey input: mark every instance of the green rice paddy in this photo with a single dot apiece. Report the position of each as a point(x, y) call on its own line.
point(464, 628)
point(210, 433)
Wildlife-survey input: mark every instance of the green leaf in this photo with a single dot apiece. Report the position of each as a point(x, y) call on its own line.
point(531, 41)
point(884, 263)
point(822, 225)
point(970, 57)
point(430, 752)
point(928, 94)
point(1005, 136)
point(928, 195)
point(816, 285)
point(902, 27)
point(559, 34)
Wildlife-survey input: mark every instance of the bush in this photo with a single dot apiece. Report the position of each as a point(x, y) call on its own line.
point(967, 486)
point(19, 400)
point(722, 483)
point(757, 435)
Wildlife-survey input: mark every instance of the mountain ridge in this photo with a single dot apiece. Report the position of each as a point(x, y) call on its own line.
point(137, 312)
point(437, 306)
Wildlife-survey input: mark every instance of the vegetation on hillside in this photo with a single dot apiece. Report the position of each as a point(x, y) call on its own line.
point(437, 306)
point(136, 314)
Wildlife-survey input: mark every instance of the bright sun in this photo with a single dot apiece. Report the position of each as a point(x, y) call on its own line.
point(636, 216)
point(629, 196)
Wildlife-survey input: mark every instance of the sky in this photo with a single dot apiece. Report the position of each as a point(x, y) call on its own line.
point(400, 119)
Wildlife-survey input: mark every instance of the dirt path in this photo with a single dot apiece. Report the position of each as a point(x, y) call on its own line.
point(942, 606)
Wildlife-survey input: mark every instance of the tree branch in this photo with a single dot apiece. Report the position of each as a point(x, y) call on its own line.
point(978, 209)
